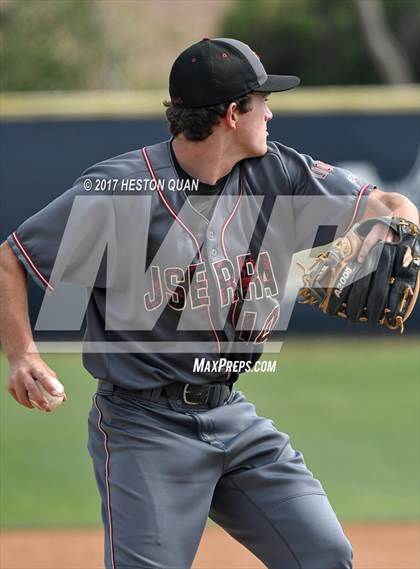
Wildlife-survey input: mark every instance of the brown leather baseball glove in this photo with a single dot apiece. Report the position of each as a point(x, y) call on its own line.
point(382, 289)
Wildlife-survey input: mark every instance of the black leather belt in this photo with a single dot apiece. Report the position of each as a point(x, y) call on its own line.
point(210, 395)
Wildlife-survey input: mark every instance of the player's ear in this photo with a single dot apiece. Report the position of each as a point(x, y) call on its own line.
point(232, 114)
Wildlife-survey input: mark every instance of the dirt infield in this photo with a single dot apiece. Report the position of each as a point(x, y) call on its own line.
point(383, 546)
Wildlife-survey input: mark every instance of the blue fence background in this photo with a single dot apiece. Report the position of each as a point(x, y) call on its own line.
point(40, 159)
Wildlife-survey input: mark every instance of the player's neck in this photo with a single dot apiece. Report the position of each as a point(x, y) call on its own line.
point(207, 161)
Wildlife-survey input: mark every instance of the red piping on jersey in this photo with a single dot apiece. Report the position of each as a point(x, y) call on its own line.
point(27, 257)
point(226, 223)
point(357, 205)
point(163, 198)
point(108, 490)
point(233, 314)
point(179, 220)
point(224, 227)
point(257, 339)
point(232, 213)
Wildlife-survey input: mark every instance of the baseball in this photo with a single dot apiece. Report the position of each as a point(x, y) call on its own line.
point(53, 401)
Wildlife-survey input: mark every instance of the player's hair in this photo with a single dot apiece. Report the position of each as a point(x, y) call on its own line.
point(197, 124)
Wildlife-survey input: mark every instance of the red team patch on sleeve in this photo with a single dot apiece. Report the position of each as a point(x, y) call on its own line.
point(321, 170)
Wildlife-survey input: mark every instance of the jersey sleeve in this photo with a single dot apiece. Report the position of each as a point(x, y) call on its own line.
point(327, 200)
point(63, 241)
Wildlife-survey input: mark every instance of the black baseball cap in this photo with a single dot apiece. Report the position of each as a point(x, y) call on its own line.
point(219, 70)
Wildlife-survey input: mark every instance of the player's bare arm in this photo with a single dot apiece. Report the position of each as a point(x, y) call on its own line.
point(26, 366)
point(385, 203)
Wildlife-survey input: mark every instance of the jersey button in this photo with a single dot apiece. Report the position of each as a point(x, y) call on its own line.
point(214, 252)
point(211, 234)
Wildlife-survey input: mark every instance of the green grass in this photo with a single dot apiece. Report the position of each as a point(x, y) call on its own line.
point(351, 407)
point(46, 476)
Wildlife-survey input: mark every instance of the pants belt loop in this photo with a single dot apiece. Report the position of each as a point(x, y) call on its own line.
point(155, 393)
point(151, 394)
point(214, 400)
point(105, 386)
point(217, 396)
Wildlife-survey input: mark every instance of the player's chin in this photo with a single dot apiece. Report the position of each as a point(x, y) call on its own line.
point(259, 149)
point(263, 149)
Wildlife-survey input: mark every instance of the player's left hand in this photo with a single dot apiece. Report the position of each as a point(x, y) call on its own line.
point(379, 232)
point(382, 289)
point(388, 205)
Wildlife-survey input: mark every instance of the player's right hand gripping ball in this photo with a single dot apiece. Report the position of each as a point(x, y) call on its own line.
point(53, 401)
point(382, 289)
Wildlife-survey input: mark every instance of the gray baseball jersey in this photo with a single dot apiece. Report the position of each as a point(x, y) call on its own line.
point(171, 269)
point(221, 280)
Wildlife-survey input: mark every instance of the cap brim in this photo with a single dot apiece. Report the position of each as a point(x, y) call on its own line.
point(276, 83)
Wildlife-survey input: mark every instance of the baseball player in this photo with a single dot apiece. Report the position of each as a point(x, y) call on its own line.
point(171, 439)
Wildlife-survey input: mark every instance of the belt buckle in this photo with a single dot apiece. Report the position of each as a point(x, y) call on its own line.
point(188, 402)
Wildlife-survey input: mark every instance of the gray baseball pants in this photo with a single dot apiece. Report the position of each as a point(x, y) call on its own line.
point(163, 467)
